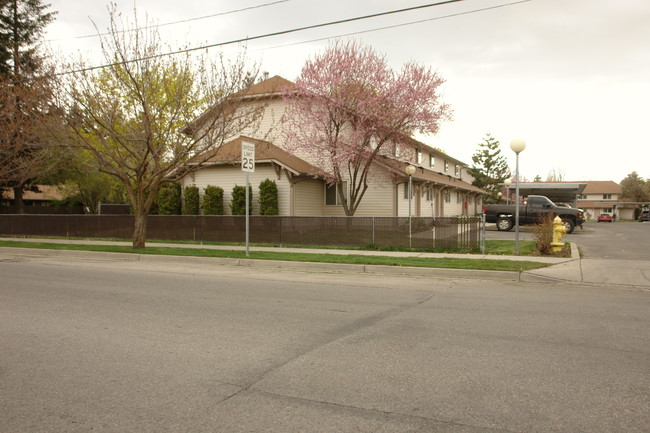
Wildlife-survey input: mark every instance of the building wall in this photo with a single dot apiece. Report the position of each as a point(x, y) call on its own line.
point(227, 177)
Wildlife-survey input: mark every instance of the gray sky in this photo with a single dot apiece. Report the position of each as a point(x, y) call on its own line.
point(571, 77)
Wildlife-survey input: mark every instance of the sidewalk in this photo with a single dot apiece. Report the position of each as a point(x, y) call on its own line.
point(569, 270)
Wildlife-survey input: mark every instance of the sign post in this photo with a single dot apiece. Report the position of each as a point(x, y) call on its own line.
point(247, 166)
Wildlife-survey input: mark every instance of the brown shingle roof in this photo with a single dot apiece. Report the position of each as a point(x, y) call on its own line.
point(602, 187)
point(230, 153)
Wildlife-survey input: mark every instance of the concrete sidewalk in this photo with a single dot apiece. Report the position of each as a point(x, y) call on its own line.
point(627, 273)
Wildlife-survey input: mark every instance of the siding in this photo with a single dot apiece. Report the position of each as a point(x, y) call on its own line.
point(309, 198)
point(227, 177)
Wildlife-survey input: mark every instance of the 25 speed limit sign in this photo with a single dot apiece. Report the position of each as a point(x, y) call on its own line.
point(248, 157)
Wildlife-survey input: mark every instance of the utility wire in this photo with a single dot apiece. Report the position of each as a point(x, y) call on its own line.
point(376, 29)
point(284, 32)
point(173, 22)
point(267, 35)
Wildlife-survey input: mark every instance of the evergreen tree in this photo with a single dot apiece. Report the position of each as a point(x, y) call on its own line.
point(490, 168)
point(269, 198)
point(238, 202)
point(192, 199)
point(22, 23)
point(24, 96)
point(212, 200)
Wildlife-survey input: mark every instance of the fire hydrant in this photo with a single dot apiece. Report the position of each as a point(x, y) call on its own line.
point(559, 230)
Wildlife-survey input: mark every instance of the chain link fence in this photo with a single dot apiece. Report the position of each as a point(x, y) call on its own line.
point(445, 233)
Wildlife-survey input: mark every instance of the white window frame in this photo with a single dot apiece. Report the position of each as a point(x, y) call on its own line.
point(446, 166)
point(432, 160)
point(418, 156)
point(339, 202)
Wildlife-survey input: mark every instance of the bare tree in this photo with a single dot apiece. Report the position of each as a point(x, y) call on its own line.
point(137, 115)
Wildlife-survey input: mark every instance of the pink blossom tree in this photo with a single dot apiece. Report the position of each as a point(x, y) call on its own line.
point(349, 109)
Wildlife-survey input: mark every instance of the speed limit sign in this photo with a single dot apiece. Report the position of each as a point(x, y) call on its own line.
point(248, 157)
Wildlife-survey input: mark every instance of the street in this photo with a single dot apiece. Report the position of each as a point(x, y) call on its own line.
point(115, 346)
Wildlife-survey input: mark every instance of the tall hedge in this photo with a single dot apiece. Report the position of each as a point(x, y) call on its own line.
point(212, 200)
point(191, 202)
point(268, 198)
point(168, 200)
point(238, 203)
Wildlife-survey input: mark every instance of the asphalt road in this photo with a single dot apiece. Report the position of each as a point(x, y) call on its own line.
point(141, 346)
point(616, 241)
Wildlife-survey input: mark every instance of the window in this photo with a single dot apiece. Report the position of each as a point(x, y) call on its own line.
point(607, 196)
point(432, 160)
point(608, 210)
point(332, 197)
point(459, 197)
point(446, 166)
point(582, 196)
point(418, 156)
point(406, 191)
point(430, 194)
point(447, 197)
point(457, 170)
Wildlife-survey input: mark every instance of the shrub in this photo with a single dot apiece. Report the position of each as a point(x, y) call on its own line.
point(238, 203)
point(212, 200)
point(268, 198)
point(191, 203)
point(543, 232)
point(168, 200)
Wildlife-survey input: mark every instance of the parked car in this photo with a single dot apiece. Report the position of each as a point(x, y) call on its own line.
point(645, 216)
point(605, 217)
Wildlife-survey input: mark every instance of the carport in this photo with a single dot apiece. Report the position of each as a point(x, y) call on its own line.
point(564, 192)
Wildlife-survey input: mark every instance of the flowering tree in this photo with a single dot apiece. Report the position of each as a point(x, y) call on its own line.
point(348, 108)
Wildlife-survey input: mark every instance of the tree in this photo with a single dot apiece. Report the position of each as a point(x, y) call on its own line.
point(212, 200)
point(168, 199)
point(268, 198)
point(635, 188)
point(490, 168)
point(537, 178)
point(358, 109)
point(555, 175)
point(25, 106)
point(138, 116)
point(238, 202)
point(192, 200)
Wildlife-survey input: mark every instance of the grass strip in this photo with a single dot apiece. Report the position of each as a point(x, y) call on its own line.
point(447, 263)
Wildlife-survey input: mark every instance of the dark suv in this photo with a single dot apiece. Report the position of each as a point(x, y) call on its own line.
point(645, 216)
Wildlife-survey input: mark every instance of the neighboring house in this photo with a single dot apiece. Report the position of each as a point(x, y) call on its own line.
point(604, 197)
point(441, 184)
point(41, 198)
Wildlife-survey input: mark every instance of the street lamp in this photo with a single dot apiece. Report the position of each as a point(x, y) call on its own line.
point(499, 195)
point(410, 170)
point(507, 183)
point(517, 145)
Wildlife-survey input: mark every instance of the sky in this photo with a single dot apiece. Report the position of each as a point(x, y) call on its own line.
point(570, 77)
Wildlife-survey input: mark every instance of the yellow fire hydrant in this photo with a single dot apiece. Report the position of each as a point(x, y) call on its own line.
point(559, 230)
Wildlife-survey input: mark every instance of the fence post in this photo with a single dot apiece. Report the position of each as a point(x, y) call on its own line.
point(482, 233)
point(373, 231)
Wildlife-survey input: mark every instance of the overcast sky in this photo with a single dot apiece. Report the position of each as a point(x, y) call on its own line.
point(570, 77)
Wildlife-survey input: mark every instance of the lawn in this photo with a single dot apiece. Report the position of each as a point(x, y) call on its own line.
point(492, 247)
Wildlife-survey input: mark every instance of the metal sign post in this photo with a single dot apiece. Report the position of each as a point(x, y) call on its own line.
point(247, 166)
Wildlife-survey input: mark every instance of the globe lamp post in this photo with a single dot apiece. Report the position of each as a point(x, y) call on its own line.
point(517, 145)
point(410, 170)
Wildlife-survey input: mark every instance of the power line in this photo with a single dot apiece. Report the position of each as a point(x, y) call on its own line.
point(376, 29)
point(284, 32)
point(267, 35)
point(174, 22)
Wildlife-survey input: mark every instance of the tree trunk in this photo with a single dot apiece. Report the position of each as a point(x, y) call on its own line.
point(139, 229)
point(18, 200)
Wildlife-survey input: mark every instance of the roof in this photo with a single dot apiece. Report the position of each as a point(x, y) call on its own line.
point(46, 193)
point(555, 191)
point(230, 154)
point(602, 187)
point(271, 86)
